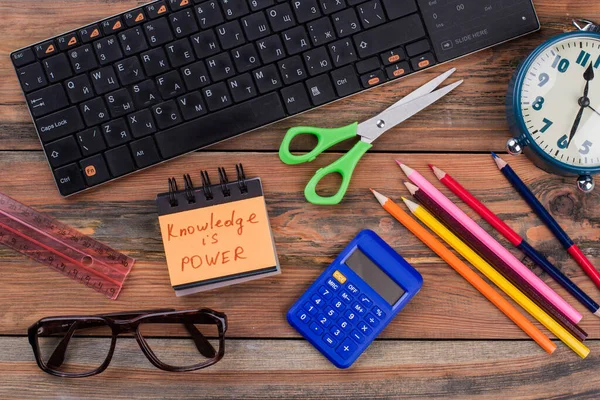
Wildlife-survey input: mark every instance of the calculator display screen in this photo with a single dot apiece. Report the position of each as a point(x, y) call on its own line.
point(374, 277)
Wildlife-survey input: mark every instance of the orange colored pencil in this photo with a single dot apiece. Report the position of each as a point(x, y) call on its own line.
point(478, 283)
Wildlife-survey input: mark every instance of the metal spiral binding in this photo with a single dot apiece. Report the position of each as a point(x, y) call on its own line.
point(172, 190)
point(241, 178)
point(206, 185)
point(189, 189)
point(224, 181)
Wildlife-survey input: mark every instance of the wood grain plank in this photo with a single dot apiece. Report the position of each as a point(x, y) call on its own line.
point(267, 369)
point(308, 237)
point(471, 119)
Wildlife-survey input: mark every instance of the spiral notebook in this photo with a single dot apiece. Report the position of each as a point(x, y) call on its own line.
point(217, 234)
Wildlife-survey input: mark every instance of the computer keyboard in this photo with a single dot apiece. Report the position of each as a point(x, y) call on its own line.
point(174, 76)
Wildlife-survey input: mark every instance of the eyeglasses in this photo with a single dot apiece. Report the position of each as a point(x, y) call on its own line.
point(80, 346)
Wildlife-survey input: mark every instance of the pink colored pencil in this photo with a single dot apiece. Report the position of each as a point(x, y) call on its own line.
point(549, 294)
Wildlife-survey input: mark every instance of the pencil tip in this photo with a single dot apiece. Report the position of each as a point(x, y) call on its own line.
point(412, 206)
point(380, 198)
point(494, 155)
point(499, 162)
point(411, 188)
point(406, 169)
point(400, 163)
point(597, 313)
point(438, 172)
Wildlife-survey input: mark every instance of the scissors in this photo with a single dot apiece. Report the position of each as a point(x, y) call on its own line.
point(367, 131)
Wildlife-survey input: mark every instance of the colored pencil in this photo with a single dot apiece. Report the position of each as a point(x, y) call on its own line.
point(478, 283)
point(486, 253)
point(550, 222)
point(549, 294)
point(514, 238)
point(493, 275)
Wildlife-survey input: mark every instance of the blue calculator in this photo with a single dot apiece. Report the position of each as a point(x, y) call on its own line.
point(356, 297)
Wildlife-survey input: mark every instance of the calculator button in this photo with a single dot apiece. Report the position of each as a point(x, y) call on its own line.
point(371, 320)
point(317, 301)
point(303, 316)
point(350, 316)
point(316, 329)
point(378, 312)
point(323, 320)
point(365, 301)
point(357, 336)
point(326, 293)
point(336, 332)
point(358, 309)
point(340, 277)
point(312, 310)
point(364, 329)
point(333, 284)
point(338, 305)
point(346, 297)
point(345, 325)
point(331, 342)
point(346, 349)
point(352, 289)
point(330, 312)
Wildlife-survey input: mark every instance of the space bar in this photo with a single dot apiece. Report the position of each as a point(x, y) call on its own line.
point(220, 125)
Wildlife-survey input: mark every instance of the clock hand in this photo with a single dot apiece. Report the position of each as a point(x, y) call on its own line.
point(583, 101)
point(594, 110)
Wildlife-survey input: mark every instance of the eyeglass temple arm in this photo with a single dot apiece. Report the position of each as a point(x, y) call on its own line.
point(58, 356)
point(132, 314)
point(202, 344)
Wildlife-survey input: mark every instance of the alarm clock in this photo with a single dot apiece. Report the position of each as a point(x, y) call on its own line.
point(553, 105)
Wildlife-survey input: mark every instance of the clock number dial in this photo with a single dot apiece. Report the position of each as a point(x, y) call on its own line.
point(547, 124)
point(544, 78)
point(538, 103)
point(585, 147)
point(562, 64)
point(563, 142)
point(583, 58)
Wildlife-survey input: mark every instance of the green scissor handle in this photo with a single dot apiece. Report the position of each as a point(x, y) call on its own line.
point(345, 167)
point(326, 138)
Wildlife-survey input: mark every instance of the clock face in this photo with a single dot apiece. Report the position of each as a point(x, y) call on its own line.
point(550, 101)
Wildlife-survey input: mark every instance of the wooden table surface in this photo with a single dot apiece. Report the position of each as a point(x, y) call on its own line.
point(449, 341)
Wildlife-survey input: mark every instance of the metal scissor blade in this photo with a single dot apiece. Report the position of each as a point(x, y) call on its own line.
point(423, 90)
point(373, 128)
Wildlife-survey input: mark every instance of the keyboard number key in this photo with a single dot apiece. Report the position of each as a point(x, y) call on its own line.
point(345, 325)
point(324, 320)
point(336, 332)
point(317, 301)
point(338, 305)
point(330, 312)
point(310, 308)
point(303, 316)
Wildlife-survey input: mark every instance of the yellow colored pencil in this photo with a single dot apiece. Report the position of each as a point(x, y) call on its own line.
point(459, 246)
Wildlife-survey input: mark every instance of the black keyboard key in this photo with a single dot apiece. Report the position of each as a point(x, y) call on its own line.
point(317, 61)
point(209, 14)
point(170, 85)
point(119, 103)
point(296, 40)
point(141, 123)
point(180, 53)
point(397, 70)
point(220, 125)
point(388, 36)
point(112, 25)
point(45, 49)
point(59, 124)
point(47, 100)
point(320, 89)
point(166, 114)
point(157, 9)
point(144, 152)
point(256, 26)
point(370, 64)
point(393, 56)
point(396, 9)
point(155, 62)
point(62, 151)
point(83, 59)
point(321, 31)
point(306, 10)
point(179, 4)
point(90, 33)
point(331, 6)
point(116, 132)
point(69, 179)
point(22, 57)
point(79, 88)
point(345, 81)
point(119, 161)
point(281, 17)
point(195, 76)
point(129, 71)
point(220, 67)
point(267, 78)
point(104, 80)
point(217, 96)
point(134, 18)
point(270, 49)
point(108, 50)
point(32, 77)
point(158, 32)
point(372, 79)
point(57, 67)
point(423, 61)
point(94, 111)
point(371, 14)
point(91, 141)
point(242, 88)
point(245, 58)
point(144, 94)
point(230, 35)
point(292, 70)
point(256, 5)
point(69, 41)
point(417, 48)
point(346, 22)
point(184, 23)
point(342, 52)
point(191, 105)
point(295, 98)
point(94, 170)
point(133, 41)
point(205, 44)
point(234, 8)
